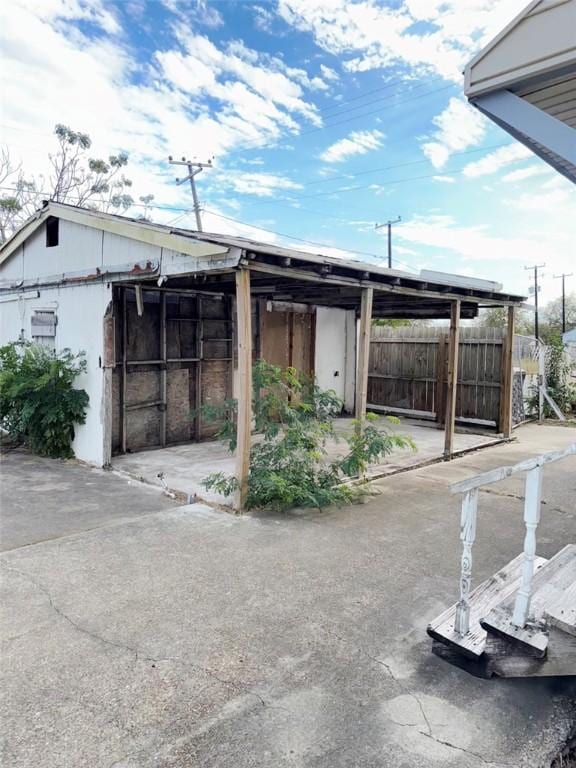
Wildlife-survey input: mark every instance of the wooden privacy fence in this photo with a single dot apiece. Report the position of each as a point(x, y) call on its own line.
point(408, 371)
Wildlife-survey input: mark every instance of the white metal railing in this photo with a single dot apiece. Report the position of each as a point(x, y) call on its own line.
point(532, 502)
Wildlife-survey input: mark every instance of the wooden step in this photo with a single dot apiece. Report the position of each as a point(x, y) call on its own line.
point(483, 599)
point(548, 590)
point(562, 612)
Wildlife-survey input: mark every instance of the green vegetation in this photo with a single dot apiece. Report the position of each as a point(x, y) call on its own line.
point(38, 403)
point(289, 466)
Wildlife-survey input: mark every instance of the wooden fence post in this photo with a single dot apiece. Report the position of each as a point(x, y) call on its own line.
point(363, 355)
point(507, 378)
point(440, 406)
point(452, 377)
point(244, 425)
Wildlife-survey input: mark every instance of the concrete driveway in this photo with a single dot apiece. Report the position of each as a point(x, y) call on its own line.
point(187, 637)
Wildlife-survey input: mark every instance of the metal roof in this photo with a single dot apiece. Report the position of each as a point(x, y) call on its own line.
point(226, 252)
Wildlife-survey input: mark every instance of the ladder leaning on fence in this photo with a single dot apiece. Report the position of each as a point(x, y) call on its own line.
point(521, 621)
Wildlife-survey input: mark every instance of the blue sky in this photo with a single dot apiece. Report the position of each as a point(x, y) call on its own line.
point(323, 117)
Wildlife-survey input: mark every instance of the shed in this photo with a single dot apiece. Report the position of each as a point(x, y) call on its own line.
point(171, 320)
point(525, 81)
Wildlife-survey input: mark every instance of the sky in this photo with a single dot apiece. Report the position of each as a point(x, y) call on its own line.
point(321, 118)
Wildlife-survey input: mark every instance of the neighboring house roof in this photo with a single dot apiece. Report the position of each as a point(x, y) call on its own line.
point(216, 253)
point(525, 81)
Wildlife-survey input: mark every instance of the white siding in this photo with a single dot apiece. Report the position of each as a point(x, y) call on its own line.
point(335, 352)
point(12, 271)
point(537, 42)
point(80, 311)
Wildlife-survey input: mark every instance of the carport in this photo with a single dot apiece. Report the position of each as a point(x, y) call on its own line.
point(267, 300)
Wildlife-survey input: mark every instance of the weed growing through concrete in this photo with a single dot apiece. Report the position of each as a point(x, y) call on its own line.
point(289, 466)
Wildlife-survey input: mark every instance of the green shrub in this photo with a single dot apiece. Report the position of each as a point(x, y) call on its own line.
point(38, 403)
point(289, 466)
point(558, 385)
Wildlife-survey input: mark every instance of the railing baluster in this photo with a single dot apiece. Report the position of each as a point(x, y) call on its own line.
point(533, 495)
point(467, 536)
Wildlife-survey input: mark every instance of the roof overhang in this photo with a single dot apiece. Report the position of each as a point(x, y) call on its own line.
point(191, 257)
point(525, 81)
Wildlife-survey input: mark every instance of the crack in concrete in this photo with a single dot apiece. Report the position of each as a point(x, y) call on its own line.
point(391, 674)
point(429, 732)
point(466, 751)
point(138, 655)
point(520, 497)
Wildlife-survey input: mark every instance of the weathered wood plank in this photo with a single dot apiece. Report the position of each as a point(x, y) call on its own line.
point(505, 659)
point(453, 347)
point(561, 612)
point(507, 377)
point(549, 584)
point(482, 600)
point(363, 353)
point(243, 428)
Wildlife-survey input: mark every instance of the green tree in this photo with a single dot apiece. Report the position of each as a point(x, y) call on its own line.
point(289, 463)
point(75, 177)
point(552, 312)
point(497, 317)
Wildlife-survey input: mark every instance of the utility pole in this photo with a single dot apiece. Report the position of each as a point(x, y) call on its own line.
point(194, 169)
point(564, 275)
point(389, 224)
point(536, 267)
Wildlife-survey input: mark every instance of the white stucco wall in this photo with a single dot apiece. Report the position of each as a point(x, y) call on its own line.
point(80, 310)
point(335, 352)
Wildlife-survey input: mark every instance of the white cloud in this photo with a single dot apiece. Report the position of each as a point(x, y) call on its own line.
point(496, 160)
point(328, 73)
point(459, 127)
point(378, 35)
point(549, 237)
point(356, 143)
point(187, 98)
point(445, 179)
point(259, 184)
point(526, 173)
point(540, 201)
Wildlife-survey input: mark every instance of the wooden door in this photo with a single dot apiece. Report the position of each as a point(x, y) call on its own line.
point(287, 339)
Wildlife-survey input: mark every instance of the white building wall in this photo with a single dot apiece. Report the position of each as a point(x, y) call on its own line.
point(80, 311)
point(335, 352)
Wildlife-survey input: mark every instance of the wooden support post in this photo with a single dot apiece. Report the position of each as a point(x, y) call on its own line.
point(507, 378)
point(163, 369)
point(467, 536)
point(243, 428)
point(532, 502)
point(363, 354)
point(541, 379)
point(124, 389)
point(452, 377)
point(439, 401)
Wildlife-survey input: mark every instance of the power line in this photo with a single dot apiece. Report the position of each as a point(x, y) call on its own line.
point(373, 112)
point(401, 165)
point(298, 239)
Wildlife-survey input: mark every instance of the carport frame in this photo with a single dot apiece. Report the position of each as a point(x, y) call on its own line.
point(369, 285)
